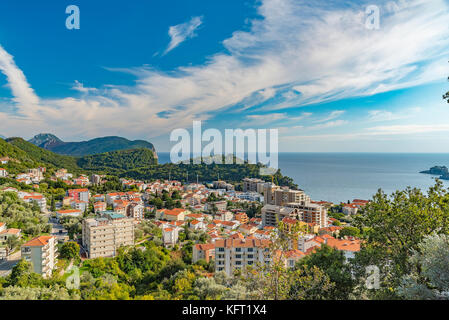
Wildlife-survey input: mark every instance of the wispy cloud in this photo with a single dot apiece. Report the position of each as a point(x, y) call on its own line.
point(296, 53)
point(182, 32)
point(333, 115)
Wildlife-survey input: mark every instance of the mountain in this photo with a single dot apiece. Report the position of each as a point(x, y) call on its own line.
point(3, 137)
point(94, 146)
point(46, 141)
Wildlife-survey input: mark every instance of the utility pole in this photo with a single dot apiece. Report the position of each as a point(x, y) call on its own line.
point(187, 176)
point(197, 179)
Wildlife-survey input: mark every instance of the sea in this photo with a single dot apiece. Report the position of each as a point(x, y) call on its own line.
point(342, 177)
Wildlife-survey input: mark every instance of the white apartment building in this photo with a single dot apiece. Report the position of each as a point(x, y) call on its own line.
point(42, 253)
point(103, 236)
point(236, 254)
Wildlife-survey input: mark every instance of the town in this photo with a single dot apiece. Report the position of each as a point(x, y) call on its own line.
point(230, 229)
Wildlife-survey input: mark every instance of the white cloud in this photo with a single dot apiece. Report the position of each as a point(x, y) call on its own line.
point(182, 32)
point(309, 51)
point(333, 115)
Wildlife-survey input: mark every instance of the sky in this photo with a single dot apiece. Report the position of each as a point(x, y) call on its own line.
point(314, 70)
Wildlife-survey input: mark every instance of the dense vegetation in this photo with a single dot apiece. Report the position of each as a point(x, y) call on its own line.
point(42, 156)
point(137, 164)
point(18, 214)
point(120, 160)
point(94, 146)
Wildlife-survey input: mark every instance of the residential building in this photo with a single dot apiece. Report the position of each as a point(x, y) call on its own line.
point(236, 254)
point(3, 173)
point(79, 194)
point(103, 236)
point(42, 253)
point(311, 213)
point(251, 184)
point(170, 236)
point(241, 217)
point(272, 215)
point(203, 251)
point(135, 210)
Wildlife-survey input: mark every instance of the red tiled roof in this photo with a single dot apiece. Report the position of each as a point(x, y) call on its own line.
point(38, 242)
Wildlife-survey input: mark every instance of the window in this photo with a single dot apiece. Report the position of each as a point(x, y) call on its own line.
point(238, 262)
point(238, 249)
point(221, 249)
point(238, 256)
point(250, 249)
point(250, 256)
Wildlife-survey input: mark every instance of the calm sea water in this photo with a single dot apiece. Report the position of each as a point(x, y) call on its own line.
point(339, 177)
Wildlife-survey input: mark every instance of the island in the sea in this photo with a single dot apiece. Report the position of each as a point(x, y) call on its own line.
point(442, 171)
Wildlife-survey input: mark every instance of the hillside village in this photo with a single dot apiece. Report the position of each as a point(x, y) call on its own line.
point(227, 226)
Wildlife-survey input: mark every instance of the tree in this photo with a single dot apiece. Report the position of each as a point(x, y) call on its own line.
point(70, 250)
point(394, 228)
point(12, 242)
point(349, 231)
point(333, 263)
point(430, 277)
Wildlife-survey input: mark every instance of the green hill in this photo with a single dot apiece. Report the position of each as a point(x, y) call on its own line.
point(45, 157)
point(95, 146)
point(118, 160)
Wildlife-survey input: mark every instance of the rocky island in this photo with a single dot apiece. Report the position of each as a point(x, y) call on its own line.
point(441, 171)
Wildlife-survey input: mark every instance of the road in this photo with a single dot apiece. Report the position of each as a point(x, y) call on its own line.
point(7, 265)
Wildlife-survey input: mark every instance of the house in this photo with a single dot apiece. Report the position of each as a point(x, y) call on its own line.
point(99, 206)
point(5, 234)
point(176, 214)
point(170, 236)
point(42, 253)
point(3, 173)
point(203, 252)
point(79, 205)
point(197, 225)
point(292, 257)
point(37, 198)
point(348, 246)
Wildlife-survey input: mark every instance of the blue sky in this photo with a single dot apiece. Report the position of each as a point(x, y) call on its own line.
point(140, 69)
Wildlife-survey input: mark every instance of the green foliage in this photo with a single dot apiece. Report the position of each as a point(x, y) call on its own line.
point(430, 276)
point(332, 263)
point(69, 250)
point(349, 231)
point(18, 214)
point(43, 156)
point(395, 226)
point(114, 162)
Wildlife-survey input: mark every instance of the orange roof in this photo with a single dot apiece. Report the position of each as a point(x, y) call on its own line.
point(38, 242)
point(68, 211)
point(239, 243)
point(174, 212)
point(205, 246)
point(344, 245)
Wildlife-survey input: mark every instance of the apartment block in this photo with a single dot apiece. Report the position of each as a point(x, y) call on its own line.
point(42, 253)
point(252, 184)
point(203, 251)
point(272, 214)
point(103, 236)
point(312, 213)
point(236, 254)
